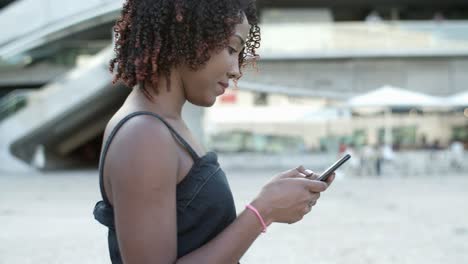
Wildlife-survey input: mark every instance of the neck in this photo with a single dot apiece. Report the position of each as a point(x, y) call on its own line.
point(166, 103)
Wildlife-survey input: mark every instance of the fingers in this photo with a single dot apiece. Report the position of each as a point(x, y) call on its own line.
point(310, 185)
point(311, 175)
point(314, 196)
point(302, 172)
point(312, 201)
point(314, 176)
point(301, 169)
point(293, 173)
point(330, 179)
point(308, 173)
point(316, 186)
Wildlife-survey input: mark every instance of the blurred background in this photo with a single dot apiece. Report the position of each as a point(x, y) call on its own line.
point(386, 81)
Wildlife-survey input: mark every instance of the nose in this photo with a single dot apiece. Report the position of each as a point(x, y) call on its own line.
point(234, 72)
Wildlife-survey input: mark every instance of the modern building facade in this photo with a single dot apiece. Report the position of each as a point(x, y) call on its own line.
point(332, 50)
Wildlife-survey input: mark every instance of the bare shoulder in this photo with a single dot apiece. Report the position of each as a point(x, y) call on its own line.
point(143, 150)
point(141, 165)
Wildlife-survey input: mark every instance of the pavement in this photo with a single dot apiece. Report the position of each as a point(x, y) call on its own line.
point(47, 218)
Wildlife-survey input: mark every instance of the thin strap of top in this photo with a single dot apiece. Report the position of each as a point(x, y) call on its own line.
point(179, 138)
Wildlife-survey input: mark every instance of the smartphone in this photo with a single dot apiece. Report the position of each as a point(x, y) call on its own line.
point(324, 176)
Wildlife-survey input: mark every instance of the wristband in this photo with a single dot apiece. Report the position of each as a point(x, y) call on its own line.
point(258, 216)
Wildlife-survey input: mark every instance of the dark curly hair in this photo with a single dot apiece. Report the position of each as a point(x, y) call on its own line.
point(152, 36)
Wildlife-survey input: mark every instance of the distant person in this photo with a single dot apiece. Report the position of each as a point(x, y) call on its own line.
point(164, 198)
point(373, 17)
point(396, 146)
point(368, 158)
point(387, 153)
point(435, 156)
point(434, 149)
point(378, 159)
point(354, 163)
point(456, 154)
point(436, 145)
point(424, 144)
point(342, 149)
point(439, 17)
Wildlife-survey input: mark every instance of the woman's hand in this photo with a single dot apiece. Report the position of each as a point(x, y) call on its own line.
point(313, 176)
point(289, 196)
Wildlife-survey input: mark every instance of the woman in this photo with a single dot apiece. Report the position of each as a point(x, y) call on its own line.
point(165, 199)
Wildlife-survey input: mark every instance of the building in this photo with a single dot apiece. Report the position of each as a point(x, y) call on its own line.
point(67, 49)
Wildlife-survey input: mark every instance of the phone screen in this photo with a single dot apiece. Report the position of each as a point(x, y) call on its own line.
point(324, 176)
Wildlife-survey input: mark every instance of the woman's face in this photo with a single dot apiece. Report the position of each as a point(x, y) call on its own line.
point(201, 87)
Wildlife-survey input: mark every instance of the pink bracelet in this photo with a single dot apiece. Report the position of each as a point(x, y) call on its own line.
point(258, 216)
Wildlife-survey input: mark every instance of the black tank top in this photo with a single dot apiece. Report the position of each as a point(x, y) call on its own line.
point(205, 205)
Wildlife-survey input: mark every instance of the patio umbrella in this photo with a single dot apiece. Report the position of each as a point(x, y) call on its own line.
point(388, 97)
point(458, 100)
point(394, 97)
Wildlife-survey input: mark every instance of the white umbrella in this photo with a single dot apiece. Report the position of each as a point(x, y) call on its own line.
point(388, 97)
point(458, 100)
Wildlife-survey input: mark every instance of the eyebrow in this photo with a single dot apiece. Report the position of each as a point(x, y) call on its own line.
point(242, 41)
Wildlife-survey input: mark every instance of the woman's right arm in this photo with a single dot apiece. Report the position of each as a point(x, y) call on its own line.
point(143, 162)
point(286, 199)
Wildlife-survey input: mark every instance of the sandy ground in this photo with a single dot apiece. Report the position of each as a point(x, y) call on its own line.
point(47, 218)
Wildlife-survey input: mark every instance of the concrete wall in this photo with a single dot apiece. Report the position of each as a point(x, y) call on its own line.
point(440, 76)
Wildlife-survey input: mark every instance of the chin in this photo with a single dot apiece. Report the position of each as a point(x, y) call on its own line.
point(210, 103)
point(204, 103)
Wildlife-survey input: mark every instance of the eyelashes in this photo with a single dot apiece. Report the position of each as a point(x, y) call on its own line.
point(231, 50)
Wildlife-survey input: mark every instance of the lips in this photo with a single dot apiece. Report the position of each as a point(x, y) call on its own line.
point(224, 85)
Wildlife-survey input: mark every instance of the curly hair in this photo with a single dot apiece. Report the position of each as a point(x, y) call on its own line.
point(152, 36)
